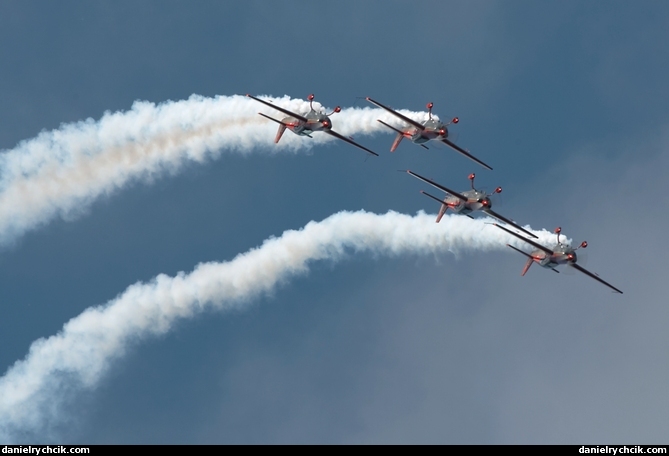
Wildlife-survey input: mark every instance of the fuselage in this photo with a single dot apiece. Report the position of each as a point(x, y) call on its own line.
point(562, 254)
point(476, 200)
point(316, 121)
point(433, 130)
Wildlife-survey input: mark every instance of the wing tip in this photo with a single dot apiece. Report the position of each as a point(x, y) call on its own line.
point(529, 233)
point(488, 167)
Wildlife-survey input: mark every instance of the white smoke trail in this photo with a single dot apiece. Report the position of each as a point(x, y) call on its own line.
point(61, 172)
point(32, 390)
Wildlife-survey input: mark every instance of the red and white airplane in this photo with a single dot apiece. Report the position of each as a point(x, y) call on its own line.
point(428, 130)
point(551, 258)
point(467, 202)
point(308, 123)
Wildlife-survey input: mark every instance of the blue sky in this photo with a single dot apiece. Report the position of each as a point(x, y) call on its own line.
point(566, 100)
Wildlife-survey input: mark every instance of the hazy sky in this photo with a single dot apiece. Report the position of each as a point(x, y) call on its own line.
point(568, 102)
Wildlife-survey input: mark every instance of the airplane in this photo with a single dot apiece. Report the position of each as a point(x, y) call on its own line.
point(421, 133)
point(550, 258)
point(467, 202)
point(306, 124)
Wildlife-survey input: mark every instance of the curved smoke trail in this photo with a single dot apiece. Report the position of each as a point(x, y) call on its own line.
point(61, 172)
point(32, 390)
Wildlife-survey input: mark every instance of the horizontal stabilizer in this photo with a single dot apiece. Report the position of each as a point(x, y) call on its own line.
point(272, 118)
point(433, 197)
point(390, 126)
point(520, 251)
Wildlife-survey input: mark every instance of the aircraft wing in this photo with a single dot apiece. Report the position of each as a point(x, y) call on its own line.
point(440, 187)
point(348, 140)
point(594, 276)
point(278, 108)
point(523, 238)
point(465, 153)
point(508, 222)
point(397, 114)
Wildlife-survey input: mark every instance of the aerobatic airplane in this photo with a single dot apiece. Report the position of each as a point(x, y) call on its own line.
point(467, 202)
point(550, 258)
point(420, 133)
point(306, 124)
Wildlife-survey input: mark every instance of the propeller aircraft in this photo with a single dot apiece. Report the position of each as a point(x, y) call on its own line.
point(467, 202)
point(550, 258)
point(308, 123)
point(420, 133)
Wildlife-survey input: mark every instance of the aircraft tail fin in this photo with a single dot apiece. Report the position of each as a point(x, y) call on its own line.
point(527, 266)
point(279, 133)
point(282, 127)
point(442, 211)
point(397, 141)
point(530, 259)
